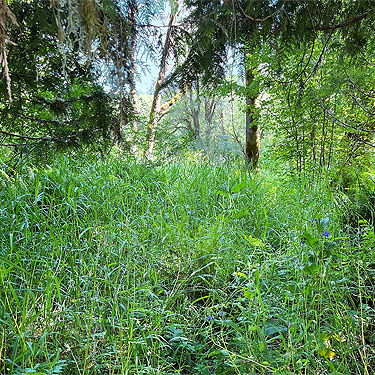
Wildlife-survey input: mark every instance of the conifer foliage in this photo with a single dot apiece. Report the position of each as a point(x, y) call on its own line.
point(269, 34)
point(50, 70)
point(60, 58)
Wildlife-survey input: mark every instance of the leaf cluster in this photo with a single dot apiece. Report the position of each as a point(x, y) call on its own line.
point(57, 103)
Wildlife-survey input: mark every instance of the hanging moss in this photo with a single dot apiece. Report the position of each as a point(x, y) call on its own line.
point(80, 23)
point(5, 16)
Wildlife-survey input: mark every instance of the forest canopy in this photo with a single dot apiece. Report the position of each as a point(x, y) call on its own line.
point(187, 186)
point(70, 71)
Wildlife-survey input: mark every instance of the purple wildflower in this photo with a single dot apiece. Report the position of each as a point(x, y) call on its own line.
point(303, 240)
point(325, 234)
point(297, 262)
point(221, 314)
point(210, 318)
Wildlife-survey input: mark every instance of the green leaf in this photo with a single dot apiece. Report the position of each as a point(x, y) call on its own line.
point(309, 239)
point(2, 259)
point(293, 288)
point(241, 213)
point(255, 241)
point(238, 187)
point(252, 328)
point(249, 294)
point(241, 274)
point(323, 223)
point(327, 353)
point(272, 326)
point(312, 269)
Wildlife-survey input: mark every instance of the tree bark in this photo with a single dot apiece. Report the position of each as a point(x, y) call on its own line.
point(5, 14)
point(118, 59)
point(132, 16)
point(195, 109)
point(252, 129)
point(209, 110)
point(155, 110)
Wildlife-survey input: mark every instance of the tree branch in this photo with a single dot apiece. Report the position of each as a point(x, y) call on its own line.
point(340, 25)
point(26, 137)
point(172, 101)
point(259, 19)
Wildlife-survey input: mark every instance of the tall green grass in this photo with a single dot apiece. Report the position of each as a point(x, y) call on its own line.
point(122, 268)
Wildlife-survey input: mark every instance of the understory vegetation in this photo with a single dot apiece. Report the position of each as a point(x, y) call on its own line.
point(187, 187)
point(117, 267)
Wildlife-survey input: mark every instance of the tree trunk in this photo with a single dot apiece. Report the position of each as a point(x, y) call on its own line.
point(322, 161)
point(252, 129)
point(155, 110)
point(195, 109)
point(5, 14)
point(209, 109)
point(119, 61)
point(132, 16)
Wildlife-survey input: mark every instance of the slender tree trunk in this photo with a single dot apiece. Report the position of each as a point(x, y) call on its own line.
point(312, 143)
point(322, 144)
point(313, 148)
point(331, 140)
point(197, 126)
point(155, 110)
point(5, 15)
point(209, 109)
point(252, 129)
point(132, 16)
point(196, 109)
point(303, 156)
point(118, 58)
point(222, 119)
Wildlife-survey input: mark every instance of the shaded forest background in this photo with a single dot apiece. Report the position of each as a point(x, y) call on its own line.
point(222, 222)
point(299, 72)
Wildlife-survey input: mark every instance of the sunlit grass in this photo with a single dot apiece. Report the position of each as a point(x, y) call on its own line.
point(117, 268)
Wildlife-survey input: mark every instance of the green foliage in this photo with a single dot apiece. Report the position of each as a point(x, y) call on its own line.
point(112, 266)
point(246, 26)
point(322, 121)
point(313, 65)
point(117, 267)
point(56, 102)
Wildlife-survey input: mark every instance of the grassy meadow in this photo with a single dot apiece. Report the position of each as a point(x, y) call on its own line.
point(113, 267)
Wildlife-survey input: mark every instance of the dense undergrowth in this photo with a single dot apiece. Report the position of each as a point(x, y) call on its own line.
point(122, 268)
